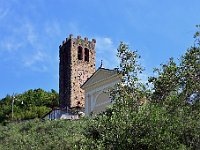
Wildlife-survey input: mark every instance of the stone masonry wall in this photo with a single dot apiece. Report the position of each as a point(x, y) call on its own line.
point(73, 71)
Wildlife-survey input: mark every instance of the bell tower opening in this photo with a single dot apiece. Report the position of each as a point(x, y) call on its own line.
point(80, 53)
point(87, 54)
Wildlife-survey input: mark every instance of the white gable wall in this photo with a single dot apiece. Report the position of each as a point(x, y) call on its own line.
point(97, 96)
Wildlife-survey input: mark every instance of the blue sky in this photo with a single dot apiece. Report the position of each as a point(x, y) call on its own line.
point(32, 30)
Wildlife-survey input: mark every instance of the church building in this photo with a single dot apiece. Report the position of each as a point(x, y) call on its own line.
point(81, 86)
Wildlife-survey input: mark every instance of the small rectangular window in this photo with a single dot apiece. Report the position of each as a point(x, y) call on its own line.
point(86, 54)
point(80, 53)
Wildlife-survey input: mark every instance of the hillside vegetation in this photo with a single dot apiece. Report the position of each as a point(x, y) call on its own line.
point(28, 105)
point(41, 135)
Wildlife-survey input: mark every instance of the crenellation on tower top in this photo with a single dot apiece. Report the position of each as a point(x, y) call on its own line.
point(79, 41)
point(86, 39)
point(71, 36)
point(78, 37)
point(94, 40)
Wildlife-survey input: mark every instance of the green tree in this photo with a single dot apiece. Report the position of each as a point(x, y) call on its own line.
point(169, 119)
point(36, 103)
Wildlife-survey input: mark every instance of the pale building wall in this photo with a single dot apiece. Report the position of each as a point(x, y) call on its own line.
point(98, 97)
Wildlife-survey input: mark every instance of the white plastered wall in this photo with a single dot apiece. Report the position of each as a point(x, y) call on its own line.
point(98, 98)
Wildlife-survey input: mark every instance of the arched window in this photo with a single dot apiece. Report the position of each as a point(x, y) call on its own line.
point(80, 53)
point(86, 54)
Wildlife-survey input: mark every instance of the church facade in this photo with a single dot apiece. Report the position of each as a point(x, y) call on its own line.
point(97, 90)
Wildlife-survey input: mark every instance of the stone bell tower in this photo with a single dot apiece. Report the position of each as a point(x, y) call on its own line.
point(77, 64)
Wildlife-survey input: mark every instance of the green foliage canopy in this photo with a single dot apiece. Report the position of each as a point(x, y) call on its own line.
point(170, 117)
point(28, 105)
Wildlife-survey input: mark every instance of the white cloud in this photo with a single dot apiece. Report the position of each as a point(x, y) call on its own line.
point(41, 68)
point(19, 36)
point(26, 41)
point(104, 44)
point(52, 29)
point(73, 28)
point(10, 45)
point(37, 57)
point(3, 13)
point(26, 32)
point(106, 51)
point(31, 35)
point(36, 61)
